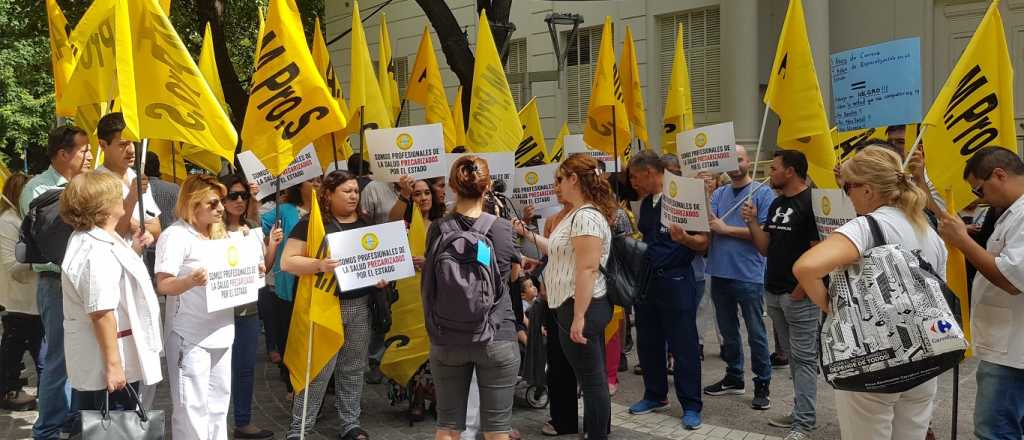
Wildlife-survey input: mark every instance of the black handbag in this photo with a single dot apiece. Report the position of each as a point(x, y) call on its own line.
point(626, 272)
point(380, 308)
point(138, 424)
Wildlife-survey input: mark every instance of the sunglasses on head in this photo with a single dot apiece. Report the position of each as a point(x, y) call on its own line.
point(235, 195)
point(849, 186)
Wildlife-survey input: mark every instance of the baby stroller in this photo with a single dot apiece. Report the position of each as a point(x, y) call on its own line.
point(531, 390)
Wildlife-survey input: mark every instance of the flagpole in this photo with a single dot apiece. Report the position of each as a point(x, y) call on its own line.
point(749, 196)
point(362, 139)
point(174, 165)
point(334, 151)
point(309, 365)
point(615, 149)
point(913, 149)
point(277, 200)
point(400, 109)
point(757, 155)
point(139, 156)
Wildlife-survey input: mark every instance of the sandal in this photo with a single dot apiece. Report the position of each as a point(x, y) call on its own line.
point(356, 434)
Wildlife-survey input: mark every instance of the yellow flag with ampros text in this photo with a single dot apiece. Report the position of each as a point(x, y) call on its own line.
point(632, 93)
point(62, 57)
point(532, 148)
point(493, 119)
point(678, 102)
point(426, 89)
point(558, 149)
point(386, 70)
point(457, 119)
point(364, 93)
point(335, 144)
point(973, 110)
point(289, 103)
point(793, 94)
point(607, 127)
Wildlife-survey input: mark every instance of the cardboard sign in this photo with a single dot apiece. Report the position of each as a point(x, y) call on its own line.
point(684, 203)
point(877, 85)
point(233, 271)
point(416, 151)
point(710, 149)
point(535, 186)
point(306, 166)
point(574, 144)
point(502, 167)
point(371, 254)
point(832, 209)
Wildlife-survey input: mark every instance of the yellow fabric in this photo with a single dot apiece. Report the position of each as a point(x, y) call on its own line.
point(259, 38)
point(533, 145)
point(956, 272)
point(86, 118)
point(678, 103)
point(457, 119)
point(171, 164)
point(401, 361)
point(974, 109)
point(426, 89)
point(601, 132)
point(61, 57)
point(327, 146)
point(612, 328)
point(364, 92)
point(165, 5)
point(317, 309)
point(386, 70)
point(290, 106)
point(208, 67)
point(793, 94)
point(494, 126)
point(632, 93)
point(558, 150)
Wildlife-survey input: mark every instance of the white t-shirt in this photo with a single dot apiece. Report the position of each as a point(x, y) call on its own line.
point(148, 204)
point(560, 273)
point(897, 229)
point(996, 324)
point(178, 255)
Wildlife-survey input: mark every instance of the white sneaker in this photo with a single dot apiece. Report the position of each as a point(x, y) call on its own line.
point(797, 435)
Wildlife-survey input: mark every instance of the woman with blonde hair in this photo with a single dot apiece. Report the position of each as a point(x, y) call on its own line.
point(198, 342)
point(879, 187)
point(111, 316)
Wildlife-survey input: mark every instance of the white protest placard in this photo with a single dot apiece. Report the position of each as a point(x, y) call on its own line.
point(371, 254)
point(336, 166)
point(501, 166)
point(535, 186)
point(574, 144)
point(710, 149)
point(832, 209)
point(232, 271)
point(684, 203)
point(305, 166)
point(416, 151)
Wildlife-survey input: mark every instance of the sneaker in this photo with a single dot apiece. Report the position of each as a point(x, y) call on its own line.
point(797, 435)
point(18, 400)
point(373, 376)
point(646, 406)
point(778, 360)
point(725, 386)
point(691, 420)
point(761, 400)
point(785, 421)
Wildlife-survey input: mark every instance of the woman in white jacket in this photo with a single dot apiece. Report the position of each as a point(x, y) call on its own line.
point(111, 317)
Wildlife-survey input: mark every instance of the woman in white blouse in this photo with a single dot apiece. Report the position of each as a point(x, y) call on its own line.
point(23, 328)
point(111, 317)
point(198, 342)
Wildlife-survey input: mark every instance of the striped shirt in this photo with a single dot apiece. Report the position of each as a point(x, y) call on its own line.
point(560, 273)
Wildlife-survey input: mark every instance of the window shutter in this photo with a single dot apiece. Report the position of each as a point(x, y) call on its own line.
point(702, 39)
point(579, 71)
point(402, 77)
point(517, 64)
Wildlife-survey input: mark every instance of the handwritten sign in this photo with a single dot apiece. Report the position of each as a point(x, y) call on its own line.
point(371, 254)
point(535, 186)
point(684, 203)
point(709, 149)
point(415, 151)
point(877, 85)
point(233, 271)
point(574, 144)
point(306, 166)
point(502, 166)
point(832, 209)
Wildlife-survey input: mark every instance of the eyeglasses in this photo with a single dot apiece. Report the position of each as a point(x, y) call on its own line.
point(213, 204)
point(848, 186)
point(558, 180)
point(235, 195)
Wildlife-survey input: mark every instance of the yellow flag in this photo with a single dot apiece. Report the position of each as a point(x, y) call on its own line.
point(259, 37)
point(61, 55)
point(678, 102)
point(317, 312)
point(87, 117)
point(607, 127)
point(165, 5)
point(172, 164)
point(417, 234)
point(973, 110)
point(793, 94)
point(532, 148)
point(364, 92)
point(386, 70)
point(956, 272)
point(493, 119)
point(457, 119)
point(290, 106)
point(844, 142)
point(208, 67)
point(558, 150)
point(402, 360)
point(426, 89)
point(632, 93)
point(327, 146)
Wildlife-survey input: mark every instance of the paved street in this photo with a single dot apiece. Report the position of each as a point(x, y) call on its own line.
point(727, 417)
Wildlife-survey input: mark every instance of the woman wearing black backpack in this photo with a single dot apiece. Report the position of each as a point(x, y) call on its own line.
point(467, 307)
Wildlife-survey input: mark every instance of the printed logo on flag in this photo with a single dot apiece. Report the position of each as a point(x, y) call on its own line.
point(232, 255)
point(826, 205)
point(403, 141)
point(531, 178)
point(370, 241)
point(673, 189)
point(700, 141)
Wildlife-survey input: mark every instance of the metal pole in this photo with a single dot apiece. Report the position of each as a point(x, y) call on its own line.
point(615, 150)
point(309, 363)
point(956, 398)
point(400, 109)
point(334, 150)
point(174, 165)
point(760, 138)
point(362, 140)
point(140, 153)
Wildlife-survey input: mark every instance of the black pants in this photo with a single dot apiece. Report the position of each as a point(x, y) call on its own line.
point(22, 332)
point(561, 380)
point(277, 323)
point(120, 400)
point(587, 361)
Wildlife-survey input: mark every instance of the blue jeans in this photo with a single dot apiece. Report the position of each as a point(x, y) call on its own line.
point(54, 396)
point(999, 408)
point(668, 315)
point(732, 297)
point(796, 325)
point(243, 365)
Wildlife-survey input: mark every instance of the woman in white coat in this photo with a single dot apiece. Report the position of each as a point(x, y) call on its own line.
point(111, 317)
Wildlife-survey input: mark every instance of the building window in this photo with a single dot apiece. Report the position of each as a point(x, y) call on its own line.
point(515, 70)
point(402, 78)
point(579, 72)
point(702, 38)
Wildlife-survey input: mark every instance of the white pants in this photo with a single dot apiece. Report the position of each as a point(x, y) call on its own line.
point(472, 411)
point(873, 416)
point(200, 380)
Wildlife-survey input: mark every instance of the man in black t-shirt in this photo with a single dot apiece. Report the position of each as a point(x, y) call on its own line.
point(788, 233)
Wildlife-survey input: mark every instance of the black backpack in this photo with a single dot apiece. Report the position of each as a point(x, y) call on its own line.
point(44, 235)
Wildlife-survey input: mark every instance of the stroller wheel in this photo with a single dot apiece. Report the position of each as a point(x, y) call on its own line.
point(537, 397)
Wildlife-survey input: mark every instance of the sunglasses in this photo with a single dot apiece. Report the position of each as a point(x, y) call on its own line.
point(213, 204)
point(848, 186)
point(236, 195)
point(980, 189)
